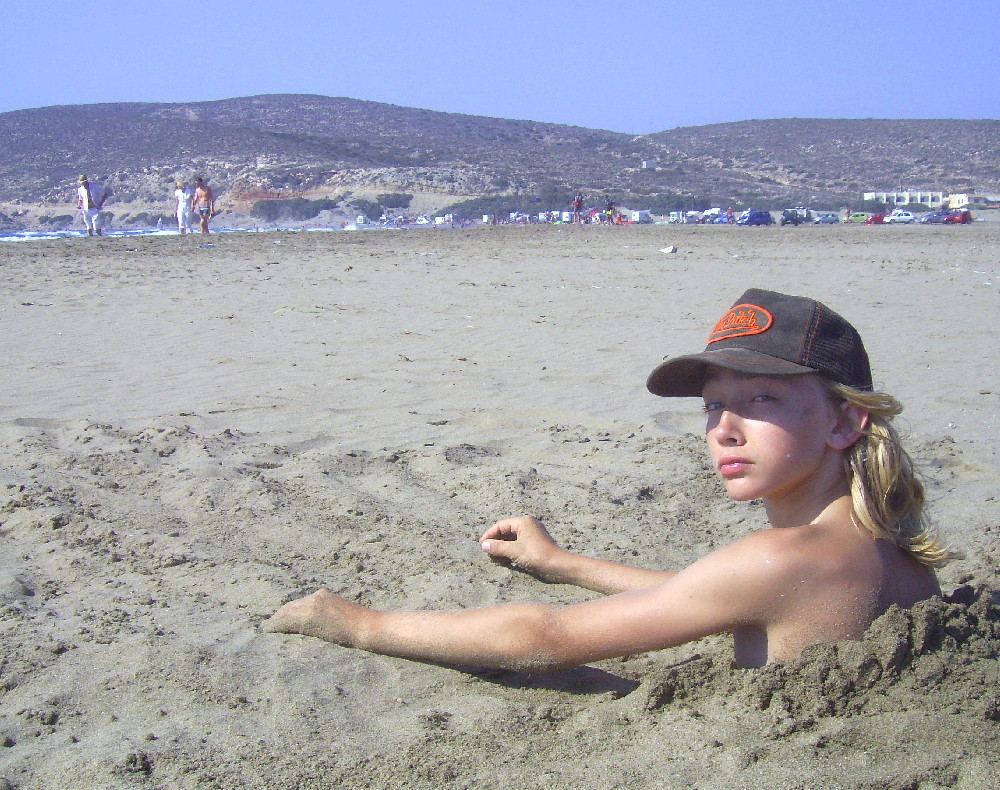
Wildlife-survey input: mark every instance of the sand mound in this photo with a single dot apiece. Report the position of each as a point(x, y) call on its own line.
point(142, 560)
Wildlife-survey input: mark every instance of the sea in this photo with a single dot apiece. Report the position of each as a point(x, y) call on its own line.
point(43, 235)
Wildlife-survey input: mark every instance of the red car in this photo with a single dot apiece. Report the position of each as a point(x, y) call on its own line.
point(876, 219)
point(959, 217)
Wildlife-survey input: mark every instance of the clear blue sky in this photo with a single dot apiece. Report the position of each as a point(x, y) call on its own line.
point(630, 66)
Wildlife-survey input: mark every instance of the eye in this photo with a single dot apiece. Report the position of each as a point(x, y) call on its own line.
point(708, 408)
point(763, 398)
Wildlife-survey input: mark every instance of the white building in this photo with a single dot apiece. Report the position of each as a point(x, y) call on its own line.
point(962, 200)
point(907, 197)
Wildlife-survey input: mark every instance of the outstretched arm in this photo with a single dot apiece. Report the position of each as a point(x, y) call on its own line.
point(742, 584)
point(510, 636)
point(526, 545)
point(523, 636)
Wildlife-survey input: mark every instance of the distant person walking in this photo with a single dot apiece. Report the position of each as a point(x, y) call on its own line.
point(182, 207)
point(90, 200)
point(578, 209)
point(609, 210)
point(204, 202)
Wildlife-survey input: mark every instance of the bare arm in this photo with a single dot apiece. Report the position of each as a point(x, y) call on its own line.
point(512, 636)
point(735, 586)
point(526, 545)
point(526, 637)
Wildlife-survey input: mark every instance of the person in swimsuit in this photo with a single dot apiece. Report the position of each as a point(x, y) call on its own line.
point(204, 203)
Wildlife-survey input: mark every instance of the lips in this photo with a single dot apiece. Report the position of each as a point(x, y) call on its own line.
point(731, 465)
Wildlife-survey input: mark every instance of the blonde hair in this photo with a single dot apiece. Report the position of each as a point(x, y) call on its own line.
point(887, 495)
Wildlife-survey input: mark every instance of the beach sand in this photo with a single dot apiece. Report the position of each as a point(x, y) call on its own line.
point(194, 431)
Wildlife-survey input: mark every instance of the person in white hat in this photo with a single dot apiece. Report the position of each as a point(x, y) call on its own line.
point(182, 206)
point(90, 199)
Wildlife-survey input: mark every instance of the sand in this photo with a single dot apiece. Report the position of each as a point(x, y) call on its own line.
point(194, 430)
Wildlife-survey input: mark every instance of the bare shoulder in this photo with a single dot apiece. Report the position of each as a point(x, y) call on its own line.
point(812, 564)
point(830, 546)
point(776, 568)
point(771, 552)
point(755, 577)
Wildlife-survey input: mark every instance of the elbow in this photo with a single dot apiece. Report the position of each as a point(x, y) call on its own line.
point(540, 646)
point(538, 661)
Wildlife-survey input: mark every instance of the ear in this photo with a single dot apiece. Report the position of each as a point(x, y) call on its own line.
point(851, 421)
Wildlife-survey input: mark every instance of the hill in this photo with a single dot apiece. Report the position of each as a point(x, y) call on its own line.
point(302, 145)
point(847, 157)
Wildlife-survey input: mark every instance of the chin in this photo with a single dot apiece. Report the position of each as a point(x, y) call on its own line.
point(740, 493)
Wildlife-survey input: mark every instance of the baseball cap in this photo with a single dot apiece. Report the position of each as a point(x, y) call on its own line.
point(771, 334)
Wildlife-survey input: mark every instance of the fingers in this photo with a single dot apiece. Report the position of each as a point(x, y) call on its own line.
point(502, 530)
point(275, 625)
point(296, 616)
point(279, 623)
point(500, 540)
point(522, 543)
point(512, 528)
point(498, 548)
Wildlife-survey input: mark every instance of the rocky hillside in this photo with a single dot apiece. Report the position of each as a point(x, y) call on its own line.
point(290, 145)
point(846, 157)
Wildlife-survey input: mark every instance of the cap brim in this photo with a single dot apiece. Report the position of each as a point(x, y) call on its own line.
point(684, 377)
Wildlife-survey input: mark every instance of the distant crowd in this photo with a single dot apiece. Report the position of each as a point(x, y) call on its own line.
point(198, 203)
point(188, 204)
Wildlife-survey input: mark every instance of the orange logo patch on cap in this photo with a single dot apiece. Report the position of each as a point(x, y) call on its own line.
point(741, 320)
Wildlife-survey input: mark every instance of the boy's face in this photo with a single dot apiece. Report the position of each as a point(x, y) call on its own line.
point(768, 436)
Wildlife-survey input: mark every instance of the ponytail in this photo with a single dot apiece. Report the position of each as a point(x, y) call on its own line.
point(887, 496)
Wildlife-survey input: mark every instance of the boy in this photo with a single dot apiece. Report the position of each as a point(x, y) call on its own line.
point(791, 420)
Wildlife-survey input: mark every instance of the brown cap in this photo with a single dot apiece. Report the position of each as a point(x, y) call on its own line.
point(771, 334)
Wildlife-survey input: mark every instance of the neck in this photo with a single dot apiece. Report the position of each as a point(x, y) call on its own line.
point(835, 510)
point(809, 504)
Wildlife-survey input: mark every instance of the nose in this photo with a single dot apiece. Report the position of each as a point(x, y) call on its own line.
point(726, 428)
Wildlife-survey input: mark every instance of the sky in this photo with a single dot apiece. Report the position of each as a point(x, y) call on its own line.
point(631, 66)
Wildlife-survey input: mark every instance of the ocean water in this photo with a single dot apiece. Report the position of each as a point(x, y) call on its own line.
point(37, 235)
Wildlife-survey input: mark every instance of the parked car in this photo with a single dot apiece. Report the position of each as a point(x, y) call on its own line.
point(959, 217)
point(857, 216)
point(876, 219)
point(754, 217)
point(826, 218)
point(796, 216)
point(898, 216)
point(935, 218)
